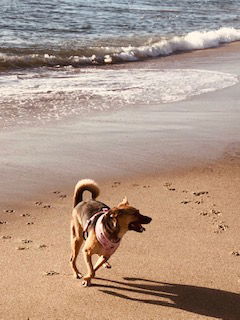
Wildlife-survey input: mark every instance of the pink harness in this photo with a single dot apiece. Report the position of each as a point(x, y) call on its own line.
point(108, 246)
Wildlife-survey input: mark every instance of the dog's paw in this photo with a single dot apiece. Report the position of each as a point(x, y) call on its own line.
point(107, 265)
point(78, 276)
point(86, 283)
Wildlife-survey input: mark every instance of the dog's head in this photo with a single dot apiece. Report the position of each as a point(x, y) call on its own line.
point(128, 217)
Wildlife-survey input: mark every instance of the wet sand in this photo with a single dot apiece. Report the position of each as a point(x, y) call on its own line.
point(178, 163)
point(129, 141)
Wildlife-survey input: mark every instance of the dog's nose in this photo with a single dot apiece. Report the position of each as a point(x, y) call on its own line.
point(149, 219)
point(146, 220)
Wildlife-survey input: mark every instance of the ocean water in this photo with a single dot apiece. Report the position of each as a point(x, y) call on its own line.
point(56, 56)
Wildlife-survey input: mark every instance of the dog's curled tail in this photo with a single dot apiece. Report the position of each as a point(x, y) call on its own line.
point(83, 185)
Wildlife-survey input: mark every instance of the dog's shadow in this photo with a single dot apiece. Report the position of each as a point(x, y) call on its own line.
point(200, 300)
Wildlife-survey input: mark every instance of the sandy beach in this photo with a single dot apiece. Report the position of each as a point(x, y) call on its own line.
point(185, 266)
point(179, 164)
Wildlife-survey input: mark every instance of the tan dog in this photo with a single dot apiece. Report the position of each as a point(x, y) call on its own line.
point(102, 228)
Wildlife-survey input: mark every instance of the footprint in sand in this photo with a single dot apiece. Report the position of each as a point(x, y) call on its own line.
point(42, 246)
point(29, 223)
point(200, 193)
point(56, 192)
point(135, 185)
point(25, 241)
point(212, 212)
point(169, 186)
point(186, 201)
point(25, 215)
point(9, 211)
point(61, 196)
point(47, 206)
point(235, 253)
point(22, 248)
point(6, 237)
point(221, 227)
point(204, 213)
point(51, 273)
point(116, 184)
point(3, 222)
point(216, 212)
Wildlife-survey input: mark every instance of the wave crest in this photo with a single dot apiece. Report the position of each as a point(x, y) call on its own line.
point(197, 40)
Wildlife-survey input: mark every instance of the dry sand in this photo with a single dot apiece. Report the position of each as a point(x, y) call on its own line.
point(185, 266)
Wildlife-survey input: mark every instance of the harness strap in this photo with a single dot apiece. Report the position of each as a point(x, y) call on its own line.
point(90, 221)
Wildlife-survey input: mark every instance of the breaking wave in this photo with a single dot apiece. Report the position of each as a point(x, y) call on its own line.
point(11, 58)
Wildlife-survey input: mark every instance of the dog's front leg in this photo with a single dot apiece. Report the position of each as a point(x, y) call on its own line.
point(90, 271)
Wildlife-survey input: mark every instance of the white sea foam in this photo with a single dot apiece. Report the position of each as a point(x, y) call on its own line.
point(196, 40)
point(59, 94)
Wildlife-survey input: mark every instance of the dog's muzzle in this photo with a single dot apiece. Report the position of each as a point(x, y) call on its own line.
point(137, 225)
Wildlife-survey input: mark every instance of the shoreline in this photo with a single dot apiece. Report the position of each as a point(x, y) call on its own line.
point(117, 144)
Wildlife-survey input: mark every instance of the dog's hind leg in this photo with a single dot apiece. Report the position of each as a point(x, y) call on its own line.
point(76, 242)
point(107, 265)
point(102, 261)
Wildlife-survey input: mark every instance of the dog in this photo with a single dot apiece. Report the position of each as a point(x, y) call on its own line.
point(100, 226)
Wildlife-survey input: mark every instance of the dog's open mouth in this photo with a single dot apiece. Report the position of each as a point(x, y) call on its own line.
point(136, 226)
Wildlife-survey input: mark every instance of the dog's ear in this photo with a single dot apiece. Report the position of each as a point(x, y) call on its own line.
point(124, 202)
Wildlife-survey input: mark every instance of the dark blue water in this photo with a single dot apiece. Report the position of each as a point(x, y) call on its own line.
point(63, 29)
